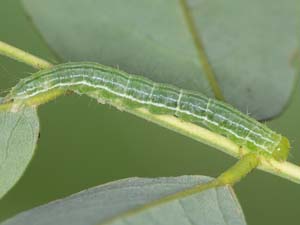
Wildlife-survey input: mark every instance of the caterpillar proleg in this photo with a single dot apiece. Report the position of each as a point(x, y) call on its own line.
point(129, 91)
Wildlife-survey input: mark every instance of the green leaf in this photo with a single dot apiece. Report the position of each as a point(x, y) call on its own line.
point(18, 137)
point(248, 43)
point(100, 204)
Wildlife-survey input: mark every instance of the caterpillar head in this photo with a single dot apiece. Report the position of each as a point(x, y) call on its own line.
point(282, 149)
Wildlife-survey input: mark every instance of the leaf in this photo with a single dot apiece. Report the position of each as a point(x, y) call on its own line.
point(18, 137)
point(100, 204)
point(248, 43)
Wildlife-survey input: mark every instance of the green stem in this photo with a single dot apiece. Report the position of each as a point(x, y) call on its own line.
point(22, 56)
point(283, 169)
point(202, 56)
point(234, 174)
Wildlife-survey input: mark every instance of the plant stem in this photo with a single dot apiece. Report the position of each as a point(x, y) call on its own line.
point(22, 56)
point(283, 169)
point(235, 173)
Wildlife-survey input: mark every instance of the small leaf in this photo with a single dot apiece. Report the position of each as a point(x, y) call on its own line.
point(247, 43)
point(18, 137)
point(101, 204)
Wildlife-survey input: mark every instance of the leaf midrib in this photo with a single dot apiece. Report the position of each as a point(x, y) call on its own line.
point(202, 56)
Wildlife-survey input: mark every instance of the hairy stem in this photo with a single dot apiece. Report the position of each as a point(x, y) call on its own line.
point(22, 56)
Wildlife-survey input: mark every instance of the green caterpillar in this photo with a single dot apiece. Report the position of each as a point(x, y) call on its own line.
point(126, 91)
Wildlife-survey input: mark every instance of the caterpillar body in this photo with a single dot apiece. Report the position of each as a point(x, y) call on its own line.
point(129, 91)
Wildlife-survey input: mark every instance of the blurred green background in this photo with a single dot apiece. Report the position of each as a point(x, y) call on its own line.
point(84, 144)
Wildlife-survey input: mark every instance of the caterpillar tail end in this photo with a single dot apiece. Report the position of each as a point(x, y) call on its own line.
point(12, 104)
point(282, 150)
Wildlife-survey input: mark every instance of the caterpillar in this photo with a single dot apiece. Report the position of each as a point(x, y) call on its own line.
point(127, 91)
